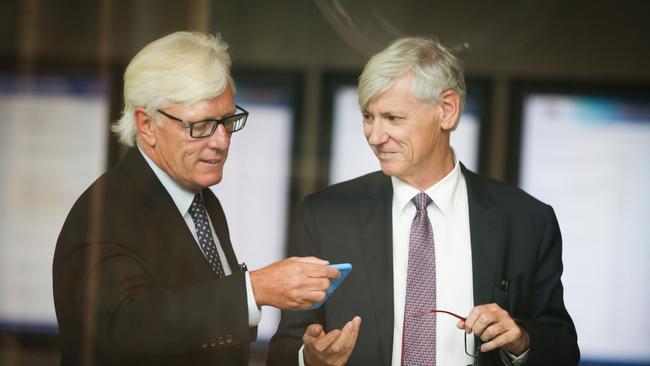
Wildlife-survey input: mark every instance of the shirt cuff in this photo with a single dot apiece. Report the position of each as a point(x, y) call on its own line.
point(301, 356)
point(254, 312)
point(510, 359)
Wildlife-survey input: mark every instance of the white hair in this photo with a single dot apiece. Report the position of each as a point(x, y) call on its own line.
point(182, 67)
point(435, 69)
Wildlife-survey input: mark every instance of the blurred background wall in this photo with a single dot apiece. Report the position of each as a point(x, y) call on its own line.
point(514, 51)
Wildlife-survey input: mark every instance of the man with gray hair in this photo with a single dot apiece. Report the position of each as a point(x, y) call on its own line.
point(450, 268)
point(144, 270)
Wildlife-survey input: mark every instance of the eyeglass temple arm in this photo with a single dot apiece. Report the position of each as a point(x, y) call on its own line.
point(450, 313)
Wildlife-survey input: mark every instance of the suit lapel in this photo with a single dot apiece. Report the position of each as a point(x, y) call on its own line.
point(168, 227)
point(375, 220)
point(220, 224)
point(486, 230)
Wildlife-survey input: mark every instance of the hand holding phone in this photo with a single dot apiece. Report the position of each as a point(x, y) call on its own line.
point(344, 269)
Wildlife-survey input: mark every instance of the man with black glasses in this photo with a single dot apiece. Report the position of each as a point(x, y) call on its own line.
point(144, 270)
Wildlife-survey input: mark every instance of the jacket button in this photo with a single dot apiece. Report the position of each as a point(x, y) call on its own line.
point(204, 345)
point(228, 339)
point(213, 343)
point(220, 341)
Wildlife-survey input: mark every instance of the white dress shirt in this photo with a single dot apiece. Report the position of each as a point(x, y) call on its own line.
point(183, 200)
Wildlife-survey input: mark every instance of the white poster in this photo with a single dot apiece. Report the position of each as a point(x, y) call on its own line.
point(53, 138)
point(589, 158)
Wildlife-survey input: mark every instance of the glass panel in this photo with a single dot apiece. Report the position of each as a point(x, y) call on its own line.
point(53, 142)
point(588, 157)
point(255, 188)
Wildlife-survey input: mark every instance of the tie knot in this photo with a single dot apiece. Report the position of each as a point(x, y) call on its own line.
point(196, 208)
point(421, 201)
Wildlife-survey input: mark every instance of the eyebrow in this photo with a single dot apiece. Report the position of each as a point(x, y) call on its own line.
point(394, 109)
point(387, 113)
point(225, 115)
point(392, 113)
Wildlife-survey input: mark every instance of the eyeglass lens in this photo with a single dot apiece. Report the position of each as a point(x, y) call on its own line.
point(207, 128)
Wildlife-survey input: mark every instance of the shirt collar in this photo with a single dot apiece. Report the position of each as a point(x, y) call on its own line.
point(441, 193)
point(182, 197)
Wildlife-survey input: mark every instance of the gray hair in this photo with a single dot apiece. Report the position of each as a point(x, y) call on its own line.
point(435, 69)
point(182, 67)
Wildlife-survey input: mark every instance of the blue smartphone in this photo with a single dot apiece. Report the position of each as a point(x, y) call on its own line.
point(344, 269)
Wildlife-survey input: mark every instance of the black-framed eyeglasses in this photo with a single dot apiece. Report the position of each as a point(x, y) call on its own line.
point(205, 128)
point(473, 353)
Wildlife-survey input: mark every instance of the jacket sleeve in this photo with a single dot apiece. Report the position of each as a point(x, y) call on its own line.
point(553, 339)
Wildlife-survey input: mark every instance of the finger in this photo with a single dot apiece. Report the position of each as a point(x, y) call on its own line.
point(356, 322)
point(316, 270)
point(494, 315)
point(323, 343)
point(471, 318)
point(349, 333)
point(342, 344)
point(332, 273)
point(312, 260)
point(493, 331)
point(312, 297)
point(312, 333)
point(476, 313)
point(312, 336)
point(320, 271)
point(314, 330)
point(312, 290)
point(312, 284)
point(483, 321)
point(460, 324)
point(483, 316)
point(497, 342)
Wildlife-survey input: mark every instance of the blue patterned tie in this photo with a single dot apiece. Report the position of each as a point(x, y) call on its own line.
point(204, 234)
point(419, 336)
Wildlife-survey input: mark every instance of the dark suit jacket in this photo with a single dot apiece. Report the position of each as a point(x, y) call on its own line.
point(131, 285)
point(516, 258)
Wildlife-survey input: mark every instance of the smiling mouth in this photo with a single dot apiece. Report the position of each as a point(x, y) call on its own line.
point(385, 154)
point(210, 161)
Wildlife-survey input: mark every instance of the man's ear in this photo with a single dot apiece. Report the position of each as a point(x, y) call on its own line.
point(450, 105)
point(144, 125)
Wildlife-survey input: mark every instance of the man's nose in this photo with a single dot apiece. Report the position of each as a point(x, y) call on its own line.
point(220, 139)
point(376, 133)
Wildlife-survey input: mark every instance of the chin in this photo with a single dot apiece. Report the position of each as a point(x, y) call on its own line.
point(391, 171)
point(209, 181)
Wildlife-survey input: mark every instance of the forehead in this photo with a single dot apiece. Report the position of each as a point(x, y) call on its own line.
point(398, 95)
point(217, 107)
